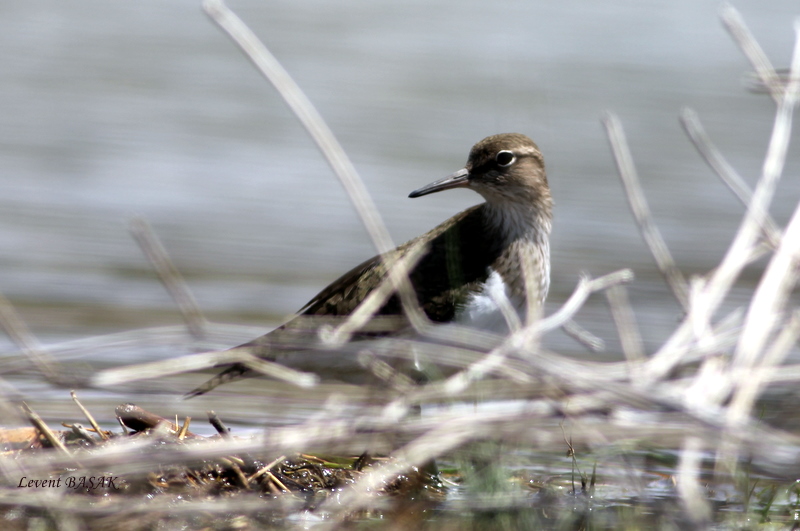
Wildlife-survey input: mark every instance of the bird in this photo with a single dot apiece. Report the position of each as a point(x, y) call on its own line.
point(495, 251)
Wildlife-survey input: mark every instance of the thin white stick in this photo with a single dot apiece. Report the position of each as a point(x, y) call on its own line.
point(577, 332)
point(308, 115)
point(196, 362)
point(702, 142)
point(690, 490)
point(750, 387)
point(641, 212)
point(713, 292)
point(780, 276)
point(520, 341)
point(170, 276)
point(20, 334)
point(585, 287)
point(625, 320)
point(734, 23)
point(373, 302)
point(332, 151)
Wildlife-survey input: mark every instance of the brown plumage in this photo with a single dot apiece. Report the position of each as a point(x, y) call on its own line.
point(462, 254)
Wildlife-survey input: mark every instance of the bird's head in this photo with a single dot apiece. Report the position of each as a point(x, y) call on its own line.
point(502, 168)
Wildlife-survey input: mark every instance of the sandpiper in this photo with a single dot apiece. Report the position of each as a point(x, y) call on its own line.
point(472, 261)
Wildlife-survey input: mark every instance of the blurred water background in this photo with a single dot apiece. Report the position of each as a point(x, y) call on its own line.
point(110, 110)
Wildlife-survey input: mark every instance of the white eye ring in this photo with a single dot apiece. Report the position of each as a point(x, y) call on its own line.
point(503, 160)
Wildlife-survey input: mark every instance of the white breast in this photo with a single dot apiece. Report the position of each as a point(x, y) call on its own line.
point(482, 310)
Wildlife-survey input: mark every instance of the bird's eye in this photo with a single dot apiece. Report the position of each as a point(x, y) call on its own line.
point(505, 158)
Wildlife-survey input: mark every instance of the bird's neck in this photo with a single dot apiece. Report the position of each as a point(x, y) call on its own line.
point(525, 229)
point(520, 222)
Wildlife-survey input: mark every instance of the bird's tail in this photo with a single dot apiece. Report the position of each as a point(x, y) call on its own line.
point(232, 373)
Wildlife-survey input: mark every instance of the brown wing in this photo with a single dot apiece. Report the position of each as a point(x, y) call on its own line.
point(344, 294)
point(456, 263)
point(457, 260)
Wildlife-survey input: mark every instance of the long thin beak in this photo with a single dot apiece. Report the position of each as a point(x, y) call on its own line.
point(458, 179)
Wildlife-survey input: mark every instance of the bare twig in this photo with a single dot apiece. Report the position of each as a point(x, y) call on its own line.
point(734, 23)
point(83, 433)
point(583, 336)
point(385, 372)
point(281, 372)
point(19, 333)
point(89, 416)
point(679, 348)
point(263, 470)
point(44, 429)
point(169, 276)
point(519, 342)
point(749, 388)
point(689, 487)
point(694, 129)
point(534, 297)
point(712, 292)
point(780, 276)
point(184, 428)
point(196, 362)
point(308, 115)
point(374, 301)
point(641, 212)
point(623, 316)
point(215, 421)
point(582, 291)
point(753, 83)
point(331, 150)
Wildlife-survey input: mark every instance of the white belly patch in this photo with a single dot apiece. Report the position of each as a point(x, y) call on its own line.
point(482, 310)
